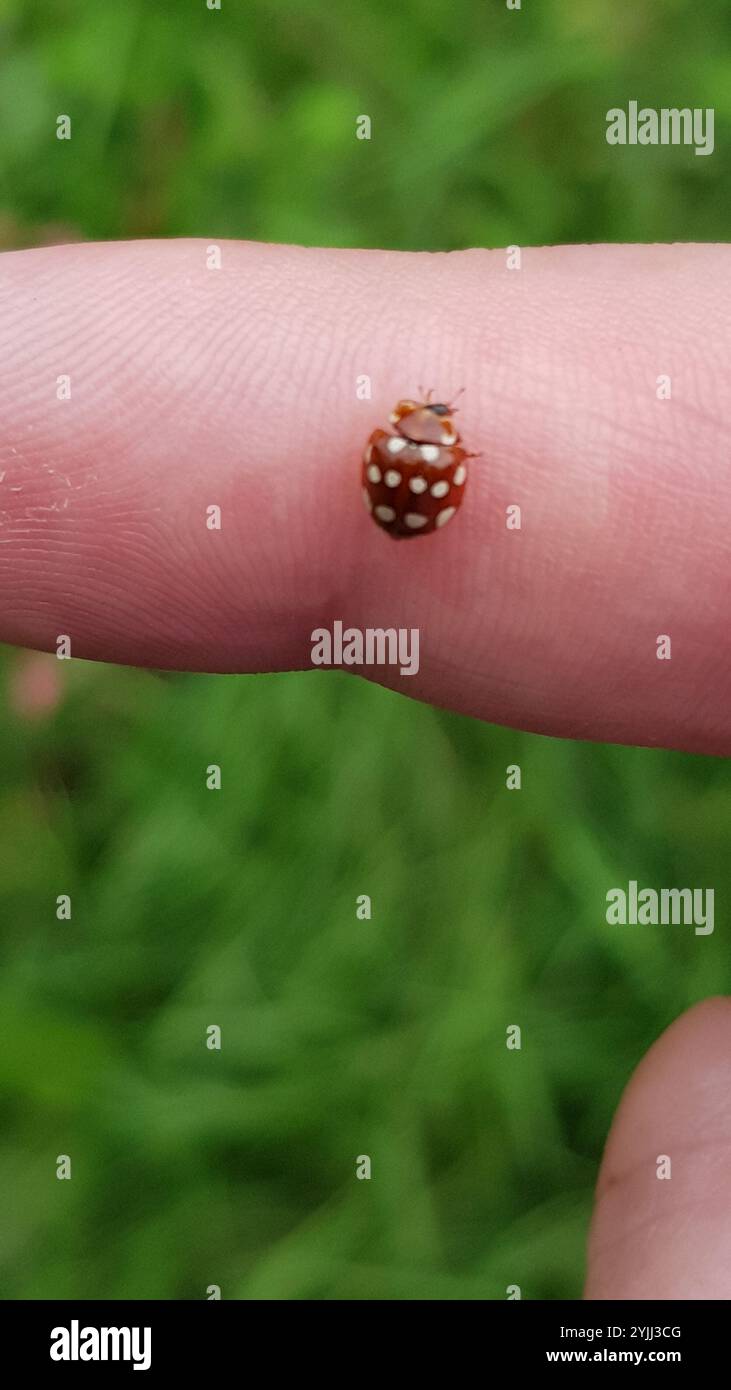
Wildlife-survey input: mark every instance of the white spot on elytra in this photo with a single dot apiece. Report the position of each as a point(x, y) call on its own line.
point(414, 521)
point(368, 454)
point(396, 444)
point(439, 489)
point(391, 478)
point(367, 500)
point(394, 417)
point(373, 474)
point(429, 452)
point(444, 516)
point(385, 513)
point(459, 475)
point(418, 484)
point(449, 439)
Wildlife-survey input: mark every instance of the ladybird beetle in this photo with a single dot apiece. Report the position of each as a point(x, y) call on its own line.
point(414, 478)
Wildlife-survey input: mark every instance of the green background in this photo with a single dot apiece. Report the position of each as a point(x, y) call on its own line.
point(340, 1037)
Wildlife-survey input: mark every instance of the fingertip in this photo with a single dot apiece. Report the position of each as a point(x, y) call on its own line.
point(662, 1220)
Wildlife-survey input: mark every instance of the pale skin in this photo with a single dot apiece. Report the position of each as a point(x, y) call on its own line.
point(237, 387)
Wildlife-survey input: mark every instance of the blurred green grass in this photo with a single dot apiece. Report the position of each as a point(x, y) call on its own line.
point(488, 124)
point(237, 907)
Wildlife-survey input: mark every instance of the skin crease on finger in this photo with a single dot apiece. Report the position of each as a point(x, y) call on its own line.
point(238, 387)
point(665, 1237)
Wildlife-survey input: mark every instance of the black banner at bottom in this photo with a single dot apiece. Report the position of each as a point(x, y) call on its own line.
point(198, 1339)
